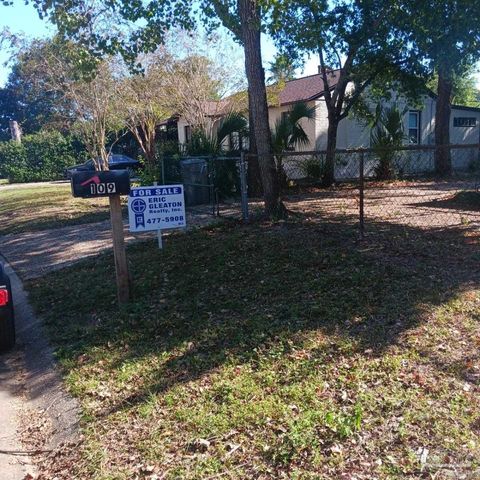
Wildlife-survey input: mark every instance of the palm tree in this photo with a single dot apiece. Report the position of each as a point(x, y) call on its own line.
point(288, 133)
point(281, 69)
point(388, 135)
point(225, 172)
point(203, 143)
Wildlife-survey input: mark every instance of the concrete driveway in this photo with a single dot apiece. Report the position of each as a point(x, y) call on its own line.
point(32, 254)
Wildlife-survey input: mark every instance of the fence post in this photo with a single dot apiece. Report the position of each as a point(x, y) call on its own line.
point(159, 231)
point(244, 186)
point(163, 169)
point(362, 194)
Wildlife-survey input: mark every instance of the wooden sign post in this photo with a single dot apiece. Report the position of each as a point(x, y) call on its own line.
point(119, 250)
point(110, 184)
point(159, 231)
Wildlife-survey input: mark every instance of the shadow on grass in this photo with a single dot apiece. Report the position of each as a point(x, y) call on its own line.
point(223, 295)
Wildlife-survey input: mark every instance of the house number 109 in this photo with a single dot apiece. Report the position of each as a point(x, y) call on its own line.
point(101, 188)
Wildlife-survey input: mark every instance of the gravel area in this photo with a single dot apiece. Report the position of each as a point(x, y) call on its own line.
point(33, 254)
point(421, 205)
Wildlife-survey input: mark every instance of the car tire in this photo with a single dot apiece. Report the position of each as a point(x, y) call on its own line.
point(7, 327)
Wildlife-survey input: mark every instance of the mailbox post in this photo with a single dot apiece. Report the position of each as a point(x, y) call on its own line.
point(109, 184)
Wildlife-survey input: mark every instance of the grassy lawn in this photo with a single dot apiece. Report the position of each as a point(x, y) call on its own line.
point(274, 351)
point(25, 209)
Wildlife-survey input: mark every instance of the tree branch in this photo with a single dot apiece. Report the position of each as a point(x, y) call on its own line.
point(228, 20)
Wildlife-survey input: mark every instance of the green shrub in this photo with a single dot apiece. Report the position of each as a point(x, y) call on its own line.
point(313, 167)
point(40, 157)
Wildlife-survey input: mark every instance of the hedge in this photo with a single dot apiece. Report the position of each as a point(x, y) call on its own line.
point(40, 157)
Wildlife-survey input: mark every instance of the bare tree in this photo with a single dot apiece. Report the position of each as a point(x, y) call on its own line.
point(97, 117)
point(201, 84)
point(144, 102)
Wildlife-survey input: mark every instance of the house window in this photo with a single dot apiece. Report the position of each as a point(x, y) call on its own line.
point(464, 121)
point(188, 133)
point(414, 126)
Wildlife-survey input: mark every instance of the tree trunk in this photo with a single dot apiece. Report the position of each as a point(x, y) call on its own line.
point(249, 13)
point(443, 160)
point(15, 131)
point(151, 153)
point(254, 177)
point(329, 172)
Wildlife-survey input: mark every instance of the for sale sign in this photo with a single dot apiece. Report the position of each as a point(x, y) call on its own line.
point(100, 184)
point(156, 208)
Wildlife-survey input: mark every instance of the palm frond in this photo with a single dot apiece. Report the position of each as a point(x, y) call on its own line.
point(281, 134)
point(288, 132)
point(299, 111)
point(233, 122)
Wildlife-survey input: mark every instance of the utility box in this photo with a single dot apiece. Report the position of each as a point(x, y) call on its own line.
point(197, 184)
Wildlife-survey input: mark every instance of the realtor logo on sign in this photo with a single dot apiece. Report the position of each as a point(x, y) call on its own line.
point(156, 208)
point(138, 207)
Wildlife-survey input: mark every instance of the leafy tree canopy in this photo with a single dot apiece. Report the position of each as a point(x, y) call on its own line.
point(465, 91)
point(445, 35)
point(360, 37)
point(25, 98)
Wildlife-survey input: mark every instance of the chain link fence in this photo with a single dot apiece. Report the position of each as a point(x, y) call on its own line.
point(371, 189)
point(214, 185)
point(375, 188)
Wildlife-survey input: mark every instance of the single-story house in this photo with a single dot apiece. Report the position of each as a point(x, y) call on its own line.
point(213, 112)
point(419, 122)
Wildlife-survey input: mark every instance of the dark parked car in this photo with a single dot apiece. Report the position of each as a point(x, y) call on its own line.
point(115, 162)
point(7, 318)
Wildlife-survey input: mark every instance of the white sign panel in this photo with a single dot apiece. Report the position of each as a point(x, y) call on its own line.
point(156, 208)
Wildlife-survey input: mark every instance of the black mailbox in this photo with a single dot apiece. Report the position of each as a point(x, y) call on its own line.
point(100, 184)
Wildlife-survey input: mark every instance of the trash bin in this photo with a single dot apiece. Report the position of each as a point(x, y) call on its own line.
point(196, 182)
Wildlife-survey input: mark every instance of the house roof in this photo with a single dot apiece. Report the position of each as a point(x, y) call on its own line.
point(306, 88)
point(211, 108)
point(217, 108)
point(453, 106)
point(465, 107)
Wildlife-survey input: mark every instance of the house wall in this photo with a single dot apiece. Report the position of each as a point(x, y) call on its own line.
point(427, 121)
point(321, 125)
point(462, 159)
point(182, 140)
point(464, 134)
point(181, 124)
point(353, 133)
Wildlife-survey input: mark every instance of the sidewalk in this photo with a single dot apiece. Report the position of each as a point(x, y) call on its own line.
point(37, 414)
